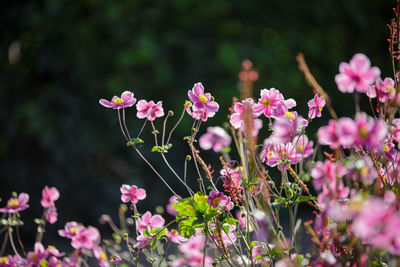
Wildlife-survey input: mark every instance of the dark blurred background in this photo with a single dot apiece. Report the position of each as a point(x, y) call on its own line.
point(58, 58)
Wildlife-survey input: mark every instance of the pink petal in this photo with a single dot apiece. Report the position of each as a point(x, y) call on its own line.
point(360, 63)
point(235, 120)
point(141, 194)
point(212, 106)
point(198, 89)
point(157, 221)
point(344, 83)
point(126, 95)
point(106, 103)
point(141, 105)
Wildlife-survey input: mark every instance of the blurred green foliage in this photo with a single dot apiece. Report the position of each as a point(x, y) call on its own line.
point(59, 57)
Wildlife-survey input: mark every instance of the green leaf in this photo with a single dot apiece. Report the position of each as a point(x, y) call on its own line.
point(304, 199)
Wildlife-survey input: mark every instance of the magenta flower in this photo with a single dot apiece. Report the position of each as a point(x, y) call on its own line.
point(326, 173)
point(131, 193)
point(384, 90)
point(86, 238)
point(358, 75)
point(237, 118)
point(51, 215)
point(198, 114)
point(49, 195)
point(202, 100)
point(170, 209)
point(142, 241)
point(39, 253)
point(303, 146)
point(288, 126)
point(280, 155)
point(175, 237)
point(126, 100)
point(149, 110)
point(327, 135)
point(267, 102)
point(282, 107)
point(70, 229)
point(15, 205)
point(147, 219)
point(370, 133)
point(216, 198)
point(315, 106)
point(216, 138)
point(101, 256)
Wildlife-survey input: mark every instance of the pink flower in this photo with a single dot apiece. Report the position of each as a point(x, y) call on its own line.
point(243, 222)
point(315, 106)
point(51, 215)
point(303, 146)
point(170, 209)
point(259, 250)
point(142, 241)
point(147, 219)
point(39, 253)
point(54, 251)
point(280, 155)
point(70, 229)
point(267, 102)
point(15, 205)
point(86, 238)
point(192, 246)
point(383, 89)
point(216, 138)
point(101, 256)
point(358, 75)
point(126, 100)
point(287, 127)
point(149, 110)
point(327, 135)
point(198, 114)
point(49, 195)
point(370, 133)
point(282, 107)
point(237, 118)
point(175, 237)
point(215, 198)
point(131, 193)
point(202, 100)
point(326, 173)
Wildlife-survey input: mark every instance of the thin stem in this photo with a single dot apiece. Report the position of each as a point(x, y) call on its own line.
point(120, 125)
point(12, 242)
point(124, 122)
point(176, 125)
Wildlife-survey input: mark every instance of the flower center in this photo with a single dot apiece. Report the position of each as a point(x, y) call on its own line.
point(387, 149)
point(118, 100)
point(290, 115)
point(103, 256)
point(390, 89)
point(320, 108)
point(266, 102)
point(74, 229)
point(216, 201)
point(270, 155)
point(300, 148)
point(203, 99)
point(283, 155)
point(13, 203)
point(363, 132)
point(188, 104)
point(3, 260)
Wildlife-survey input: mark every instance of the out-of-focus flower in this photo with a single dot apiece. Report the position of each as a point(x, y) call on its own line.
point(358, 75)
point(267, 102)
point(17, 204)
point(237, 118)
point(278, 154)
point(49, 195)
point(101, 256)
point(175, 237)
point(315, 106)
point(170, 209)
point(51, 215)
point(149, 110)
point(327, 135)
point(70, 229)
point(126, 100)
point(303, 146)
point(384, 90)
point(216, 138)
point(36, 256)
point(131, 193)
point(285, 128)
point(326, 173)
point(148, 219)
point(86, 238)
point(202, 100)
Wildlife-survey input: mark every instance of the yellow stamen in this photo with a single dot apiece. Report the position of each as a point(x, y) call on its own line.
point(390, 89)
point(270, 155)
point(43, 263)
point(118, 100)
point(103, 256)
point(266, 102)
point(364, 171)
point(74, 229)
point(320, 108)
point(283, 155)
point(203, 99)
point(216, 201)
point(290, 115)
point(4, 260)
point(300, 148)
point(387, 149)
point(363, 132)
point(13, 203)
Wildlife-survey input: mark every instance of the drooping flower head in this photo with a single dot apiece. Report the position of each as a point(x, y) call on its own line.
point(315, 106)
point(267, 102)
point(202, 100)
point(149, 110)
point(131, 193)
point(49, 196)
point(16, 204)
point(216, 138)
point(126, 100)
point(358, 75)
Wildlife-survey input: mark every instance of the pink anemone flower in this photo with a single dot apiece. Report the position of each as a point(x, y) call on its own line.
point(216, 138)
point(267, 102)
point(131, 193)
point(358, 75)
point(126, 100)
point(17, 204)
point(147, 219)
point(315, 106)
point(202, 100)
point(149, 110)
point(49, 195)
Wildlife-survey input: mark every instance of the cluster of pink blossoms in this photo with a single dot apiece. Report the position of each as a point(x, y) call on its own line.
point(49, 196)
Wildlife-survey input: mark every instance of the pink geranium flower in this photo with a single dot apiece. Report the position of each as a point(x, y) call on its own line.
point(202, 100)
point(315, 106)
point(216, 198)
point(358, 75)
point(16, 204)
point(147, 219)
point(126, 100)
point(267, 102)
point(216, 138)
point(131, 193)
point(149, 110)
point(49, 195)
